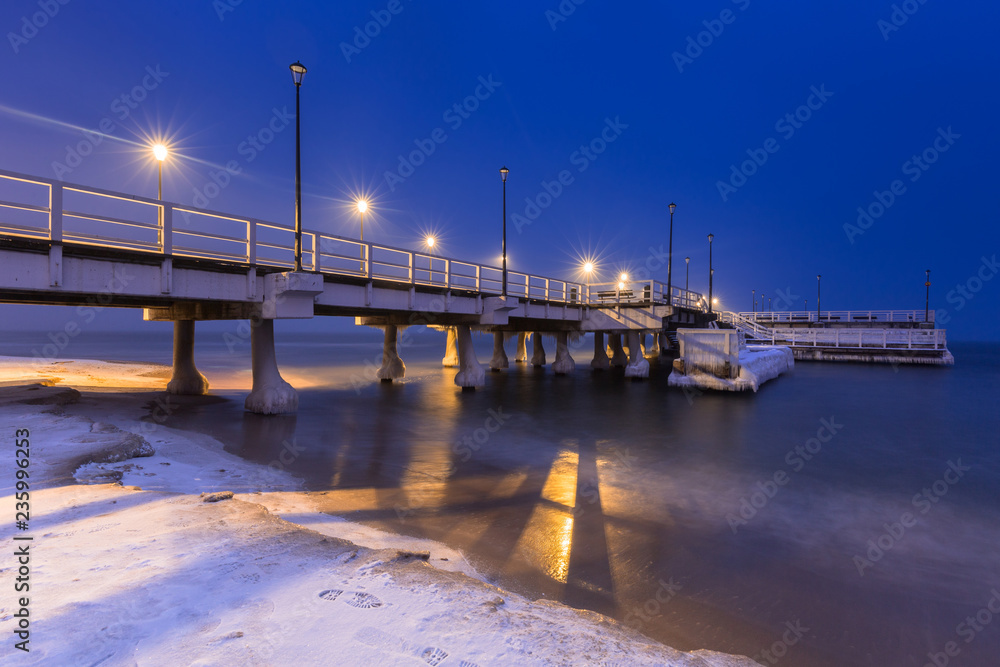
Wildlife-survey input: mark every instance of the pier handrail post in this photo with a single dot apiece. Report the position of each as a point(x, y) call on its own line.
point(56, 212)
point(166, 229)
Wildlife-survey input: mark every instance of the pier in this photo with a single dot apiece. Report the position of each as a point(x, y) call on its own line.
point(64, 244)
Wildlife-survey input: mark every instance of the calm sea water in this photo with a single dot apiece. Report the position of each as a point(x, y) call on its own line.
point(846, 514)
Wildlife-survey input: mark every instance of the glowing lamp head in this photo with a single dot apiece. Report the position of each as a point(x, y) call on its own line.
point(588, 267)
point(621, 285)
point(298, 72)
point(362, 206)
point(503, 173)
point(160, 152)
point(672, 207)
point(429, 241)
point(623, 277)
point(715, 301)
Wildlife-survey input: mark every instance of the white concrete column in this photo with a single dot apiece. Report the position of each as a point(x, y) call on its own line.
point(270, 395)
point(393, 367)
point(564, 362)
point(664, 342)
point(537, 351)
point(653, 349)
point(499, 359)
point(470, 373)
point(618, 358)
point(638, 367)
point(186, 380)
point(522, 348)
point(451, 350)
point(601, 361)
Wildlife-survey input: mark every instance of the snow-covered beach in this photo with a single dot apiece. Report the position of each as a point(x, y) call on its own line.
point(132, 564)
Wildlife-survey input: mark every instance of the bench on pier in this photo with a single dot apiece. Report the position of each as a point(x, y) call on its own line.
point(614, 295)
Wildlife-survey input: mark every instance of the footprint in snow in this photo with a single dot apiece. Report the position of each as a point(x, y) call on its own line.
point(355, 599)
point(431, 655)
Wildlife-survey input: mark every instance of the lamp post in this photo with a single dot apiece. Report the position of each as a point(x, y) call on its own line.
point(362, 206)
point(298, 72)
point(818, 285)
point(503, 177)
point(621, 285)
point(927, 302)
point(588, 269)
point(687, 273)
point(711, 271)
point(753, 306)
point(670, 257)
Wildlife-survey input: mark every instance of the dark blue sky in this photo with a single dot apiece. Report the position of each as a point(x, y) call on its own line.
point(554, 86)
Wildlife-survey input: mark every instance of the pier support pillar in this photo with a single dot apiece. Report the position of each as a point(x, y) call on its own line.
point(537, 351)
point(499, 359)
point(601, 361)
point(270, 395)
point(186, 381)
point(451, 349)
point(393, 367)
point(638, 367)
point(664, 343)
point(522, 348)
point(564, 363)
point(618, 358)
point(470, 373)
point(653, 349)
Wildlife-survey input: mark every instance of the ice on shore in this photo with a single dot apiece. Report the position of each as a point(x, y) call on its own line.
point(146, 572)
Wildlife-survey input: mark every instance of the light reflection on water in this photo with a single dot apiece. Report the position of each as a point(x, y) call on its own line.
point(594, 490)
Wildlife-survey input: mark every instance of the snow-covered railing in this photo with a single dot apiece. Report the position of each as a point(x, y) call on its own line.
point(882, 339)
point(45, 209)
point(834, 316)
point(746, 325)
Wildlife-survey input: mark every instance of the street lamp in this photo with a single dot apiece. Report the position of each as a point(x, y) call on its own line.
point(753, 306)
point(298, 72)
point(927, 302)
point(160, 153)
point(670, 257)
point(711, 271)
point(687, 273)
point(818, 285)
point(503, 177)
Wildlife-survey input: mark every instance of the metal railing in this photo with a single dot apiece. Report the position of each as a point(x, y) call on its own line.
point(748, 326)
point(838, 316)
point(878, 339)
point(46, 209)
